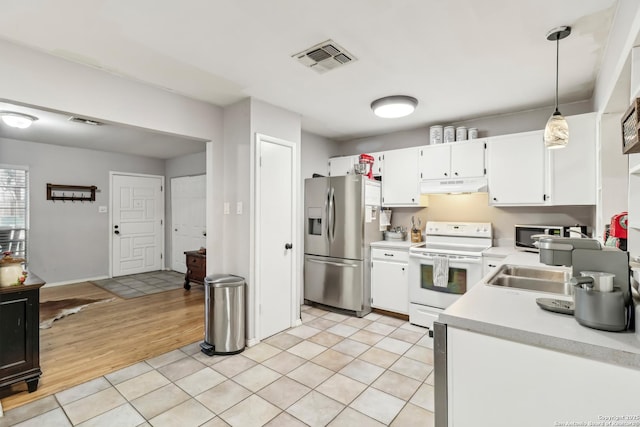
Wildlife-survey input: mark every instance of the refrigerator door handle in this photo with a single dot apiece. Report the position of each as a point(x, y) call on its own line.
point(332, 214)
point(337, 264)
point(327, 214)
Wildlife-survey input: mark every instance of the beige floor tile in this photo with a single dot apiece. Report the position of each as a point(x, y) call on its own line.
point(181, 368)
point(326, 339)
point(283, 340)
point(209, 360)
point(122, 416)
point(223, 396)
point(305, 307)
point(397, 385)
point(284, 362)
point(285, 420)
point(415, 328)
point(393, 345)
point(351, 347)
point(284, 392)
point(93, 405)
point(307, 349)
point(406, 335)
point(165, 359)
point(321, 323)
point(127, 373)
point(83, 390)
point(216, 422)
point(160, 400)
point(426, 341)
point(303, 331)
point(200, 381)
point(233, 365)
point(341, 388)
point(430, 378)
point(314, 311)
point(380, 328)
point(310, 374)
point(191, 349)
point(306, 317)
point(391, 321)
point(366, 337)
point(336, 317)
point(424, 397)
point(332, 359)
point(55, 417)
point(315, 409)
point(357, 322)
point(254, 411)
point(256, 377)
point(342, 330)
point(379, 357)
point(372, 316)
point(378, 405)
point(30, 410)
point(421, 354)
point(412, 415)
point(350, 418)
point(412, 368)
point(142, 384)
point(362, 371)
point(187, 414)
point(261, 352)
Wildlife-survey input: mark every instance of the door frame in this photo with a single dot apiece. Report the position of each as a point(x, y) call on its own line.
point(256, 233)
point(110, 230)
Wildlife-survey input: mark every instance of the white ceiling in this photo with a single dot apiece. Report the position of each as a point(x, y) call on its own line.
point(461, 59)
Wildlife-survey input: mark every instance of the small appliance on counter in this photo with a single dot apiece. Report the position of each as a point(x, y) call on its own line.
point(616, 232)
point(416, 230)
point(525, 240)
point(395, 233)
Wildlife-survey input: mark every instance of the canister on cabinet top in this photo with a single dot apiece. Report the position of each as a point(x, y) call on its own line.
point(449, 134)
point(473, 133)
point(461, 133)
point(435, 134)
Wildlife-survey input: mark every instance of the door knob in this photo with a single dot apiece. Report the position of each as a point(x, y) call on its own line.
point(116, 232)
point(288, 246)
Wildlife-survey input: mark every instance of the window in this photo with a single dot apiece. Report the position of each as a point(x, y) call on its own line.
point(14, 210)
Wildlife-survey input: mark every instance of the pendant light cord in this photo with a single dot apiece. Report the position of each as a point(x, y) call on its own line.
point(557, 67)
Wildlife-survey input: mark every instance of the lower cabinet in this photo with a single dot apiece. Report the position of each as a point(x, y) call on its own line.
point(390, 280)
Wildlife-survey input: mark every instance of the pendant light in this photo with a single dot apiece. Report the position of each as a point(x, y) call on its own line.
point(556, 132)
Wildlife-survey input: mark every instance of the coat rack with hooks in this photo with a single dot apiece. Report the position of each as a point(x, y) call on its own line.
point(83, 193)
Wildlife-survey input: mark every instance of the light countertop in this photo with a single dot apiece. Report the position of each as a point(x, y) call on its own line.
point(499, 251)
point(395, 244)
point(513, 314)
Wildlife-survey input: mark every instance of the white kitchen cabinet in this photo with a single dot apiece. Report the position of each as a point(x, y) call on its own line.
point(455, 160)
point(343, 165)
point(400, 184)
point(378, 162)
point(572, 170)
point(516, 169)
point(390, 279)
point(490, 263)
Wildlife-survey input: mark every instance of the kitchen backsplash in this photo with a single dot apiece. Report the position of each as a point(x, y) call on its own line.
point(475, 208)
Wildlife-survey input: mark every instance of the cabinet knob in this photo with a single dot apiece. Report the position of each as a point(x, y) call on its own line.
point(495, 199)
point(446, 174)
point(455, 173)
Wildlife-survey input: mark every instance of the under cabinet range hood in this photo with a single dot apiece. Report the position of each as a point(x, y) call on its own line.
point(453, 186)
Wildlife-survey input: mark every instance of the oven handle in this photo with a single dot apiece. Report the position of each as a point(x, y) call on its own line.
point(451, 260)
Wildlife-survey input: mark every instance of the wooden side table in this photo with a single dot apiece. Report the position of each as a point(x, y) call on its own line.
point(20, 333)
point(196, 268)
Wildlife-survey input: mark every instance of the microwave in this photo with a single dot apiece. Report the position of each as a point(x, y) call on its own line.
point(524, 240)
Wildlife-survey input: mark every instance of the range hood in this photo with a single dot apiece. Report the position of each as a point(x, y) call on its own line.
point(459, 185)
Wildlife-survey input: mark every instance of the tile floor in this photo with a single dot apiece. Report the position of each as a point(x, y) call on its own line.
point(137, 285)
point(332, 370)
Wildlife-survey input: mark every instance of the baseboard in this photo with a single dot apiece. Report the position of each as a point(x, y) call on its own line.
point(297, 322)
point(252, 342)
point(71, 282)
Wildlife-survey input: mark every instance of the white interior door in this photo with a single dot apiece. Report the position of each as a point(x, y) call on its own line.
point(188, 219)
point(276, 231)
point(137, 230)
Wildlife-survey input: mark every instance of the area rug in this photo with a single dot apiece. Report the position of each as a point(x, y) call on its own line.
point(138, 285)
point(57, 309)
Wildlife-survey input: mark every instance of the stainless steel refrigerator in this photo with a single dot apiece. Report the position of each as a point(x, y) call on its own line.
point(341, 220)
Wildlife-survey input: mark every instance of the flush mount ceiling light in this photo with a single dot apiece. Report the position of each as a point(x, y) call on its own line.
point(556, 132)
point(392, 107)
point(17, 120)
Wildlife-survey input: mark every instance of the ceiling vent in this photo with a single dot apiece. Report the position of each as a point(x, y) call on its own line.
point(85, 121)
point(324, 56)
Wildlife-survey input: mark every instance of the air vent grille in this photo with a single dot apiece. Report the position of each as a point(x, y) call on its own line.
point(324, 56)
point(85, 121)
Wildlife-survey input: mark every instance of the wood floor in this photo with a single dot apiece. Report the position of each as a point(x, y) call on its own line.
point(103, 338)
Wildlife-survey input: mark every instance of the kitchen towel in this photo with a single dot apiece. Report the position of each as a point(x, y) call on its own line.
point(440, 271)
point(385, 219)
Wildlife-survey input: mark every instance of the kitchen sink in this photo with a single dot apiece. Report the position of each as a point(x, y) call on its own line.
point(532, 279)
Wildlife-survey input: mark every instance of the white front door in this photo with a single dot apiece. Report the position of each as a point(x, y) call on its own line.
point(188, 218)
point(276, 233)
point(137, 230)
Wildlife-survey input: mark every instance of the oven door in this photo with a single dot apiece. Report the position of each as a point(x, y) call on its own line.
point(464, 272)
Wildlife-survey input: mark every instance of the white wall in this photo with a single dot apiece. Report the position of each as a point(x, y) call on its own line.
point(315, 151)
point(70, 241)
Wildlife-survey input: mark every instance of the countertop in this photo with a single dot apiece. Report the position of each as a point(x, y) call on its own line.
point(513, 314)
point(395, 244)
point(499, 251)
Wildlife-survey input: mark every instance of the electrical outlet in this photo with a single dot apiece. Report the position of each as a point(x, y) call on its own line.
point(102, 209)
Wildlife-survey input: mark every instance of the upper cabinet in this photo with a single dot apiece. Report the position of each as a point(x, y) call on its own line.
point(454, 160)
point(378, 162)
point(400, 181)
point(516, 169)
point(342, 165)
point(572, 170)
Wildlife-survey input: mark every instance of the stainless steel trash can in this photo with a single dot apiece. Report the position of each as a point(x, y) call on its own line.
point(224, 314)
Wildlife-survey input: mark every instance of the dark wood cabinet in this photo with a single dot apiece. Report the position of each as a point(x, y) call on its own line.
point(196, 268)
point(20, 333)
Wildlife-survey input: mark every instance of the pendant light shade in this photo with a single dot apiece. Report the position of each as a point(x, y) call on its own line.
point(392, 107)
point(556, 132)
